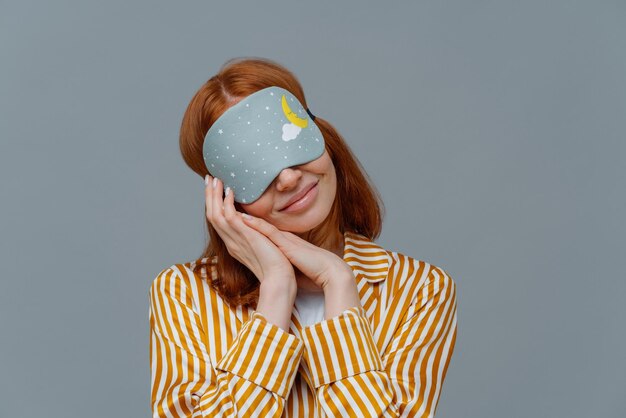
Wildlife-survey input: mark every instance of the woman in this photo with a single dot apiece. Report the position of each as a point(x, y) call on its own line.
point(292, 309)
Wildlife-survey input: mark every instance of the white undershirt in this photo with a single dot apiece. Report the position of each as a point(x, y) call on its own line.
point(310, 306)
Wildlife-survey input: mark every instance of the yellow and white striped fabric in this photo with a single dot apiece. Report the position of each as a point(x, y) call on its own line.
point(385, 358)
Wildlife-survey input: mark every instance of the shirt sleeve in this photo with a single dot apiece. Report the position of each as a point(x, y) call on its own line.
point(351, 377)
point(253, 378)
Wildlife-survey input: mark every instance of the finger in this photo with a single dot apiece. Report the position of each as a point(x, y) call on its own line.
point(294, 238)
point(270, 231)
point(299, 246)
point(230, 213)
point(217, 201)
point(214, 201)
point(208, 188)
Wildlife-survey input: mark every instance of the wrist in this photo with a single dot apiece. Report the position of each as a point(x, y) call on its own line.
point(276, 303)
point(279, 290)
point(339, 281)
point(339, 295)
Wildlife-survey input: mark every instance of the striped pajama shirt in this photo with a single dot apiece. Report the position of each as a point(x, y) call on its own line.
point(387, 357)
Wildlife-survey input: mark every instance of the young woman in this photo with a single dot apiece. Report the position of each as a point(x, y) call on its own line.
point(292, 309)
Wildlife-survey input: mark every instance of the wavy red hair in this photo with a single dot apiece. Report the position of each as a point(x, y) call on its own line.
point(357, 207)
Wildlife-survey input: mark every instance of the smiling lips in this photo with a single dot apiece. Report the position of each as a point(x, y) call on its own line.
point(295, 203)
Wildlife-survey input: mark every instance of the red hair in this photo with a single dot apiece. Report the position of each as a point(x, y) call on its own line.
point(357, 207)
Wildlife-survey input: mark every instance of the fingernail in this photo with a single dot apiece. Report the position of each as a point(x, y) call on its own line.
point(245, 215)
point(214, 181)
point(227, 190)
point(206, 180)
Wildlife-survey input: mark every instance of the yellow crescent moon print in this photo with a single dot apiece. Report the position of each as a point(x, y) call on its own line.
point(291, 116)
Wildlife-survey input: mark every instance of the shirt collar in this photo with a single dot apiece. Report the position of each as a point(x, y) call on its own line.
point(365, 257)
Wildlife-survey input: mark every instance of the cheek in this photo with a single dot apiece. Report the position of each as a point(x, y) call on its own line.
point(258, 208)
point(247, 208)
point(327, 163)
point(329, 169)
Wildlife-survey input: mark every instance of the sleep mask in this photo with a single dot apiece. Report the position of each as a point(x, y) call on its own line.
point(255, 139)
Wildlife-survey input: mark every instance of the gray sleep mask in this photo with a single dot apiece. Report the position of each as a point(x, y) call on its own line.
point(254, 140)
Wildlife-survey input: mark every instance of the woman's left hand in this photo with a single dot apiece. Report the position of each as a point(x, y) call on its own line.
point(323, 267)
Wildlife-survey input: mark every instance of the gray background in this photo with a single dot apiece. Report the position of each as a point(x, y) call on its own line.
point(495, 131)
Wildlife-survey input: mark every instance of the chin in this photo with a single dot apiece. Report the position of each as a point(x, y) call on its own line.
point(304, 222)
point(301, 222)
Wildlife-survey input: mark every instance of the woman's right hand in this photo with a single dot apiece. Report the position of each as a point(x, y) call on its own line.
point(250, 247)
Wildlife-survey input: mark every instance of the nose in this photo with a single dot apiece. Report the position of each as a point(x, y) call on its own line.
point(288, 178)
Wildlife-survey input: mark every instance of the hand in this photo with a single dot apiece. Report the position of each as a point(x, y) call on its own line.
point(244, 243)
point(323, 267)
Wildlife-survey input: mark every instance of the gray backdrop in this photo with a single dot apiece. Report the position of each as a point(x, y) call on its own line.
point(495, 131)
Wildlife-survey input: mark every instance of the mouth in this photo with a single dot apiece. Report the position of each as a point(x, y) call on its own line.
point(300, 199)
